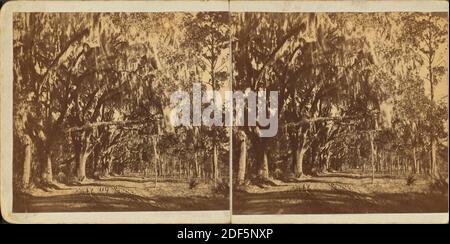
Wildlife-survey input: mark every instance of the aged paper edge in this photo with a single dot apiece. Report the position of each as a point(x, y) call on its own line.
point(339, 6)
point(407, 218)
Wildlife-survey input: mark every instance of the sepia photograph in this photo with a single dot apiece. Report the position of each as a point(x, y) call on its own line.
point(91, 112)
point(362, 113)
point(224, 112)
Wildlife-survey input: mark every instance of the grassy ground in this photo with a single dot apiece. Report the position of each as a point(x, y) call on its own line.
point(340, 193)
point(121, 194)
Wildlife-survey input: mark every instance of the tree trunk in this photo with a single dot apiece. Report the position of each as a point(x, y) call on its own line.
point(188, 169)
point(179, 167)
point(196, 168)
point(299, 153)
point(242, 161)
point(264, 170)
point(242, 157)
point(433, 165)
point(95, 162)
point(397, 165)
point(109, 166)
point(434, 169)
point(381, 161)
point(289, 164)
point(27, 162)
point(262, 160)
point(81, 169)
point(358, 156)
point(215, 164)
point(156, 160)
point(47, 174)
point(405, 165)
point(419, 166)
point(298, 165)
point(328, 160)
point(415, 162)
point(372, 156)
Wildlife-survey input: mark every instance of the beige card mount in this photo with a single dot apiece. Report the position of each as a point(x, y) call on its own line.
point(224, 111)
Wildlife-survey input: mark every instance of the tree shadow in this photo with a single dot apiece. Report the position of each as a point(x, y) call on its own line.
point(143, 179)
point(353, 176)
point(103, 202)
point(127, 179)
point(336, 201)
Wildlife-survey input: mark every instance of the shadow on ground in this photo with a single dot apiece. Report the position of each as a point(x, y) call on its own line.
point(117, 202)
point(120, 194)
point(332, 202)
point(337, 194)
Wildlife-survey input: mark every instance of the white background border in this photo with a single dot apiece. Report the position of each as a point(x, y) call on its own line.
point(6, 126)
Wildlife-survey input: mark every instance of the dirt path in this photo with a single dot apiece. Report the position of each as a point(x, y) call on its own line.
point(121, 194)
point(339, 193)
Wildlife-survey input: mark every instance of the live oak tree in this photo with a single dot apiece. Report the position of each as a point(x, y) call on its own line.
point(305, 66)
point(352, 76)
point(92, 92)
point(44, 54)
point(258, 43)
point(88, 88)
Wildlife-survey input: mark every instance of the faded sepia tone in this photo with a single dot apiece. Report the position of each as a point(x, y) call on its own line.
point(86, 91)
point(91, 106)
point(363, 105)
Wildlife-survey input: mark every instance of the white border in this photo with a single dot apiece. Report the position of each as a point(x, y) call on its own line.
point(115, 6)
point(404, 218)
point(178, 6)
point(339, 6)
